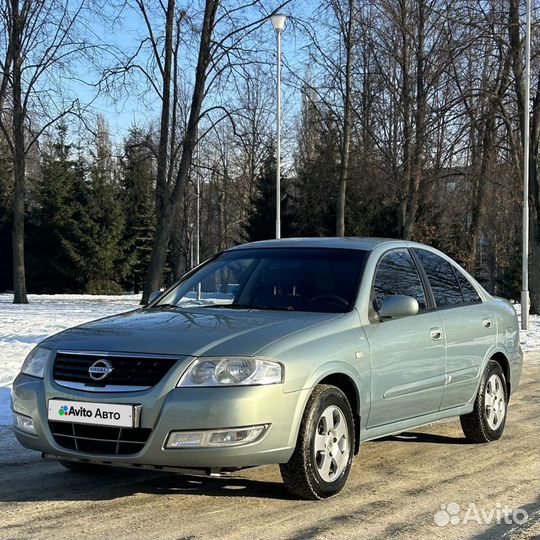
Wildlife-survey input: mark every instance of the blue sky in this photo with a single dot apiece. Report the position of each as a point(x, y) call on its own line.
point(129, 108)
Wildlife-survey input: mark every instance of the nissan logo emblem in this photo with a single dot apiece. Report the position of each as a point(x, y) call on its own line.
point(100, 369)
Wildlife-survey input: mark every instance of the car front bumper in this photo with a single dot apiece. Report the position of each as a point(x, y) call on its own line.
point(176, 409)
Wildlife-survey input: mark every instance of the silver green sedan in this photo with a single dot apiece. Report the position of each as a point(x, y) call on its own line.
point(286, 351)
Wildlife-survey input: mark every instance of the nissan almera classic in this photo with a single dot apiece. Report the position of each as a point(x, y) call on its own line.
point(288, 352)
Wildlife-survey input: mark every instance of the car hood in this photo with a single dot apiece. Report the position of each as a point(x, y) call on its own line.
point(195, 332)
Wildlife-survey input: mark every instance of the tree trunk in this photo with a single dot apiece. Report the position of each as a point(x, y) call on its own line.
point(154, 275)
point(479, 192)
point(169, 205)
point(347, 124)
point(534, 262)
point(17, 233)
point(406, 104)
point(154, 278)
point(534, 209)
point(19, 162)
point(416, 171)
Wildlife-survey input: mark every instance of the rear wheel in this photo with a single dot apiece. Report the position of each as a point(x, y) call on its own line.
point(487, 420)
point(322, 459)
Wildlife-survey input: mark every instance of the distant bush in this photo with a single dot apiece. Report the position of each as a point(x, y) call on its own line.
point(103, 287)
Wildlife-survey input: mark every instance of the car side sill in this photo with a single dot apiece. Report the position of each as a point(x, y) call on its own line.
point(398, 427)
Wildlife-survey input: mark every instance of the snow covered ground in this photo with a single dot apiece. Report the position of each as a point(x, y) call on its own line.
point(23, 326)
point(529, 339)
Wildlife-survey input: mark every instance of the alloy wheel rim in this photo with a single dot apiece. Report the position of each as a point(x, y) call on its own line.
point(332, 444)
point(494, 402)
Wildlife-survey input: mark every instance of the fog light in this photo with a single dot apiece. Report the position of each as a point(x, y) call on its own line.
point(24, 423)
point(220, 437)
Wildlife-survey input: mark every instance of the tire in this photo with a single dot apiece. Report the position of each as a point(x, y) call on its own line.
point(328, 423)
point(487, 420)
point(84, 468)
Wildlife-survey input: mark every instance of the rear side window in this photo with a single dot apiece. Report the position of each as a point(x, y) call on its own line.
point(442, 278)
point(469, 292)
point(397, 274)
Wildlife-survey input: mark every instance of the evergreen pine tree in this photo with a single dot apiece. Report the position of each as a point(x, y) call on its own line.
point(137, 184)
point(54, 252)
point(315, 188)
point(261, 221)
point(104, 261)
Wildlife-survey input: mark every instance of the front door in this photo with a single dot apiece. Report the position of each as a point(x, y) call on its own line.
point(408, 358)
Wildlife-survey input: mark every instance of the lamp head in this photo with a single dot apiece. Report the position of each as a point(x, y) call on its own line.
point(278, 22)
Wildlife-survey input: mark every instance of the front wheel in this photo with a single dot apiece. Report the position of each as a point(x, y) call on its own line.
point(322, 459)
point(487, 420)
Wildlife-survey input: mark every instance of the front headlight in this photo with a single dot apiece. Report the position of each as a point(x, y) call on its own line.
point(233, 371)
point(35, 362)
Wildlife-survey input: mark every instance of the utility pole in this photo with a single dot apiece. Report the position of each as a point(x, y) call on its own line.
point(525, 235)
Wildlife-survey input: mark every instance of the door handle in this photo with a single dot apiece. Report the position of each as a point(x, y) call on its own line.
point(436, 334)
point(486, 323)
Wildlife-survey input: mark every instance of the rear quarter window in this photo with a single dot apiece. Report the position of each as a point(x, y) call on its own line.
point(442, 278)
point(470, 296)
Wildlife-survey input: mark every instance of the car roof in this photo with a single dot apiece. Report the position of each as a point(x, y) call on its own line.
point(364, 244)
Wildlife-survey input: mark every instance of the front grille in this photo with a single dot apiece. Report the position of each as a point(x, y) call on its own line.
point(99, 439)
point(139, 371)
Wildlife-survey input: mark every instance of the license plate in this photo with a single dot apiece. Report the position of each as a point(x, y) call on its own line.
point(85, 412)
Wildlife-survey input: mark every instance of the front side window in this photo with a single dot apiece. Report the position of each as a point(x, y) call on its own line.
point(397, 274)
point(300, 279)
point(442, 278)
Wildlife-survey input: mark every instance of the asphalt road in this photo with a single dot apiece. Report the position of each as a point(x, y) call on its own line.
point(396, 490)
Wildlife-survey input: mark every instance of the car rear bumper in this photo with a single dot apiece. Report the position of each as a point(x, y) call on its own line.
point(179, 409)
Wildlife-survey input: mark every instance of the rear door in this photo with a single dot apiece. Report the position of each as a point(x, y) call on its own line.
point(470, 328)
point(407, 354)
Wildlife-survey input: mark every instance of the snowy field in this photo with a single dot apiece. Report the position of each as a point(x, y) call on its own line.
point(23, 326)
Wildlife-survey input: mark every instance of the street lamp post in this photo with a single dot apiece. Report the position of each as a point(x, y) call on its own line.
point(278, 22)
point(525, 235)
point(198, 216)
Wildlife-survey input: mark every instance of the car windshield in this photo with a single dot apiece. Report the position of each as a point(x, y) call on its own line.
point(291, 279)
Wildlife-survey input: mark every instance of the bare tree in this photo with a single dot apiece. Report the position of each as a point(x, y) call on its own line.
point(40, 39)
point(346, 18)
point(169, 194)
point(219, 51)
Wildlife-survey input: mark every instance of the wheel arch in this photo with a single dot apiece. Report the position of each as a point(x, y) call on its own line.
point(502, 360)
point(347, 385)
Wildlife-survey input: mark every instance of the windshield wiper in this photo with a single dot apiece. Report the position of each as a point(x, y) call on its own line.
point(226, 306)
point(231, 306)
point(250, 306)
point(283, 308)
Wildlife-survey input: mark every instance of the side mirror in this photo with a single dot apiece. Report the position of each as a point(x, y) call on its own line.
point(394, 307)
point(153, 296)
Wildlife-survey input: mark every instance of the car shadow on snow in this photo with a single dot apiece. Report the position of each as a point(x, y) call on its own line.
point(125, 482)
point(21, 475)
point(118, 483)
point(420, 437)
